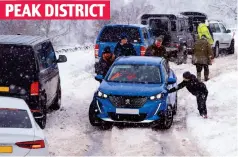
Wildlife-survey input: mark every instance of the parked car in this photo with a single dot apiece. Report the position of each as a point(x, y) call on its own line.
point(20, 135)
point(223, 37)
point(29, 70)
point(133, 91)
point(109, 35)
point(178, 40)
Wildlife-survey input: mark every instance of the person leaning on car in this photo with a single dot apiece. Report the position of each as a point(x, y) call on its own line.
point(105, 62)
point(202, 57)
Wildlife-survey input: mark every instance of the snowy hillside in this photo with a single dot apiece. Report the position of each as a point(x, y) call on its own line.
point(69, 128)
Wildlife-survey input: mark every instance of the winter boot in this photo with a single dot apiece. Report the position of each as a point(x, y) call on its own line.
point(199, 76)
point(206, 78)
point(204, 116)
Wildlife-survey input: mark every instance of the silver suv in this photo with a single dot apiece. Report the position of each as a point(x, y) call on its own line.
point(223, 38)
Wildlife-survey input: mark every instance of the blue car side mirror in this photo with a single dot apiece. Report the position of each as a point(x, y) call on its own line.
point(99, 78)
point(172, 80)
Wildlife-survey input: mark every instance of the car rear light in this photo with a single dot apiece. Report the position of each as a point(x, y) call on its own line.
point(142, 50)
point(35, 88)
point(174, 45)
point(96, 48)
point(32, 144)
point(35, 111)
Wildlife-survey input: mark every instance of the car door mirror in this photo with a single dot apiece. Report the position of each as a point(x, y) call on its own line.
point(99, 78)
point(228, 31)
point(62, 59)
point(171, 81)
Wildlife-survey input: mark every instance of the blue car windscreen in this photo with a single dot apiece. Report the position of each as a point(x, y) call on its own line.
point(146, 74)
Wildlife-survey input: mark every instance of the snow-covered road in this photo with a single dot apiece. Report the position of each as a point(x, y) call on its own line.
point(69, 132)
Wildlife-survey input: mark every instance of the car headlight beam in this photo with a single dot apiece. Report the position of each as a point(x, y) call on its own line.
point(158, 96)
point(102, 95)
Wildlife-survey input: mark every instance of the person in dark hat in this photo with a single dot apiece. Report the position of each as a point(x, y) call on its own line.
point(124, 48)
point(195, 87)
point(105, 62)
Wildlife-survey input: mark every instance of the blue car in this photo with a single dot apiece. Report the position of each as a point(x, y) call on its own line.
point(134, 91)
point(109, 35)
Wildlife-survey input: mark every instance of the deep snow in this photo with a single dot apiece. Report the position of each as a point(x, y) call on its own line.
point(69, 132)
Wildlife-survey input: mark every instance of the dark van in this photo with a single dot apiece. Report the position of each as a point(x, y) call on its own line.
point(109, 35)
point(178, 40)
point(29, 70)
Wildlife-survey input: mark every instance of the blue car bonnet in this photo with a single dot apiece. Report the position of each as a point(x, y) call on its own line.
point(130, 89)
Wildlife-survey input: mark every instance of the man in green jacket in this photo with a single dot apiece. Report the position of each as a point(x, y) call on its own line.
point(202, 57)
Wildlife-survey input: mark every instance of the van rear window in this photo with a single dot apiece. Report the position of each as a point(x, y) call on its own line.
point(17, 62)
point(112, 34)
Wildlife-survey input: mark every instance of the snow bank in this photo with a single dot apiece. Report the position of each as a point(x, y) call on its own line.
point(218, 133)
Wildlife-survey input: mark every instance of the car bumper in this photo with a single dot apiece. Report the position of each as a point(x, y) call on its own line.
point(150, 112)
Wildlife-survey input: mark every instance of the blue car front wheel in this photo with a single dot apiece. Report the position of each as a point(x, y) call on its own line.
point(166, 120)
point(93, 118)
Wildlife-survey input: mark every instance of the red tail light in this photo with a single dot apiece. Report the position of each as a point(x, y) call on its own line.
point(142, 50)
point(96, 48)
point(32, 144)
point(177, 45)
point(35, 88)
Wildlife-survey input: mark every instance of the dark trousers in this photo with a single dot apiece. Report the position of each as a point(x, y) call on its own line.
point(200, 67)
point(201, 102)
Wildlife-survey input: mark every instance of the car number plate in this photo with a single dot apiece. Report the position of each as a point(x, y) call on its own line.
point(127, 111)
point(5, 149)
point(4, 89)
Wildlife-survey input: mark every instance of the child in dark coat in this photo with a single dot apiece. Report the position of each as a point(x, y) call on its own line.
point(196, 88)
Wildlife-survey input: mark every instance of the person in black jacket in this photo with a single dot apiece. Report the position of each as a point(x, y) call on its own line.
point(105, 62)
point(124, 48)
point(196, 88)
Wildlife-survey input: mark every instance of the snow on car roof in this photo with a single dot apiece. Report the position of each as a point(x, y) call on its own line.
point(124, 25)
point(13, 103)
point(21, 39)
point(139, 60)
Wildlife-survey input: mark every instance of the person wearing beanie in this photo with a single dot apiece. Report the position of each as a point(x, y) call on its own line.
point(157, 49)
point(202, 57)
point(105, 62)
point(196, 88)
point(124, 48)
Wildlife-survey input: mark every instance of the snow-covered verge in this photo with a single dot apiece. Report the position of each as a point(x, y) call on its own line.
point(217, 134)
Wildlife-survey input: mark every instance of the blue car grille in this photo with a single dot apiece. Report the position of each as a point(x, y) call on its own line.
point(127, 101)
point(128, 118)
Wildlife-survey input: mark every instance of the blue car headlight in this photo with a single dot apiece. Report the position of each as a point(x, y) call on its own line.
point(102, 95)
point(156, 97)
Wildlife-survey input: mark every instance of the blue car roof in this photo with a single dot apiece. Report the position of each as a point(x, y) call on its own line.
point(130, 25)
point(139, 60)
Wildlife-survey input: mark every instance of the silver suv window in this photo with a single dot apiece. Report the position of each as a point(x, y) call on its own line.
point(223, 29)
point(215, 28)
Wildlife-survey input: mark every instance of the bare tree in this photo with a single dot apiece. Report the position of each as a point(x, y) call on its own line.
point(225, 7)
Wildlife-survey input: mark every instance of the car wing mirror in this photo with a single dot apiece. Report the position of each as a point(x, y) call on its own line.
point(99, 78)
point(171, 81)
point(62, 59)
